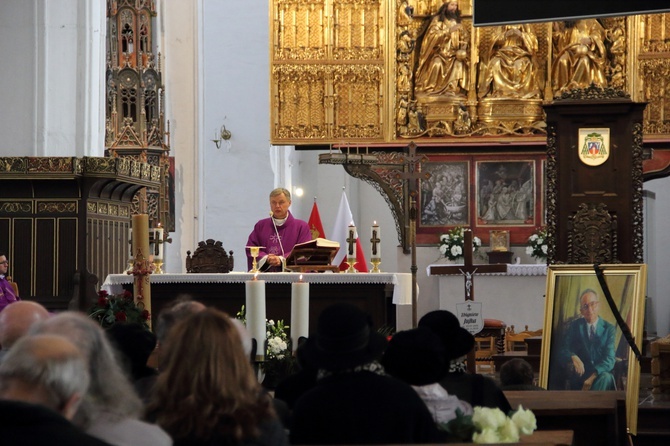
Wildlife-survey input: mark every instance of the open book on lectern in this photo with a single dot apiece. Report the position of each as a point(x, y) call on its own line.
point(317, 252)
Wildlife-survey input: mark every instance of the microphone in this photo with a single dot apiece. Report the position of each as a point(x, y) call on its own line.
point(277, 232)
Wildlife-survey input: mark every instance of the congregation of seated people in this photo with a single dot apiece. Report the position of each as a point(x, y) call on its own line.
point(66, 380)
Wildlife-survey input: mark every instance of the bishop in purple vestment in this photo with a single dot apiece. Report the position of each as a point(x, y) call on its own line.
point(7, 295)
point(277, 234)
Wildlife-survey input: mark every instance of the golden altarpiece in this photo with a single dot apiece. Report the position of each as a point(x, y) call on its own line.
point(65, 221)
point(366, 77)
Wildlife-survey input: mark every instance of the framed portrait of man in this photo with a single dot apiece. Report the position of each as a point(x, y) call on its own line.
point(584, 345)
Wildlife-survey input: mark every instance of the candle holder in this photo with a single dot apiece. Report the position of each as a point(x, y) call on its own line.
point(158, 264)
point(254, 250)
point(375, 265)
point(351, 261)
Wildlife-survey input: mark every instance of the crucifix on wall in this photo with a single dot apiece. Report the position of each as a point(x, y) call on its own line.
point(468, 270)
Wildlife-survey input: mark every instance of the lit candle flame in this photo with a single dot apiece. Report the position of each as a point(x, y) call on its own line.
point(300, 280)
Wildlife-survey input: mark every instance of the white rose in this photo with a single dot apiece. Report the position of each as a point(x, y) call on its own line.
point(477, 241)
point(533, 238)
point(271, 323)
point(487, 417)
point(529, 250)
point(540, 240)
point(545, 248)
point(525, 420)
point(509, 432)
point(486, 436)
point(444, 237)
point(443, 249)
point(456, 251)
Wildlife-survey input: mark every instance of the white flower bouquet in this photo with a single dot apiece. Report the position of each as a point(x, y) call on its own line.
point(451, 243)
point(490, 425)
point(537, 244)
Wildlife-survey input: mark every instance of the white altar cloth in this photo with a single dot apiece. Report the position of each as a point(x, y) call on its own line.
point(402, 282)
point(516, 297)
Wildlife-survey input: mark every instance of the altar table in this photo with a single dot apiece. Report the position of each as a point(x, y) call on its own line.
point(516, 297)
point(375, 293)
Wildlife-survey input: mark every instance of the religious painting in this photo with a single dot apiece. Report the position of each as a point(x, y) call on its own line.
point(592, 316)
point(445, 195)
point(505, 194)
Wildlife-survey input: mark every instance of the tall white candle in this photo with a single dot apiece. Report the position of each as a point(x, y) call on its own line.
point(158, 239)
point(255, 314)
point(351, 243)
point(375, 242)
point(299, 311)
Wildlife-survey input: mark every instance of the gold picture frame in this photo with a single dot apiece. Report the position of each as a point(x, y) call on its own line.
point(499, 241)
point(569, 306)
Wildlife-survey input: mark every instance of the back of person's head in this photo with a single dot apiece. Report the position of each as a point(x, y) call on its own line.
point(135, 343)
point(45, 369)
point(17, 318)
point(218, 384)
point(110, 391)
point(516, 371)
point(176, 311)
point(416, 357)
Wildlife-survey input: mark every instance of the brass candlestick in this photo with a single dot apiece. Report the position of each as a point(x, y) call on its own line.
point(158, 263)
point(254, 250)
point(375, 265)
point(351, 261)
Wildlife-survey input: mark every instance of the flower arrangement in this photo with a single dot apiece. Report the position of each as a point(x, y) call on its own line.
point(451, 243)
point(110, 310)
point(279, 360)
point(490, 425)
point(537, 244)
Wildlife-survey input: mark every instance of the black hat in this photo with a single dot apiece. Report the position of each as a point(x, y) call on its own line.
point(457, 340)
point(344, 339)
point(136, 343)
point(416, 357)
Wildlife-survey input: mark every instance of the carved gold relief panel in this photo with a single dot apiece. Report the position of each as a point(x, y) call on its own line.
point(393, 70)
point(327, 70)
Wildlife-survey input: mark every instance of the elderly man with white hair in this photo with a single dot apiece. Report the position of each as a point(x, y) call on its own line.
point(42, 382)
point(16, 320)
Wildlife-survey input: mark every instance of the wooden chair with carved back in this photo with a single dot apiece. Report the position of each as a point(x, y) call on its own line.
point(209, 257)
point(516, 342)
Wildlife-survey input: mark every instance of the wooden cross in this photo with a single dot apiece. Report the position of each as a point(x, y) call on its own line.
point(468, 270)
point(413, 175)
point(374, 240)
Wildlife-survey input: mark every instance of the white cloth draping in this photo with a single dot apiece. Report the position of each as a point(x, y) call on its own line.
point(402, 282)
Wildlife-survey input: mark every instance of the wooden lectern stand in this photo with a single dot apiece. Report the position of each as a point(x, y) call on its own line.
point(313, 256)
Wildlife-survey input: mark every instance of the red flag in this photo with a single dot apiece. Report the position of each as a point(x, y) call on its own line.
point(341, 232)
point(314, 222)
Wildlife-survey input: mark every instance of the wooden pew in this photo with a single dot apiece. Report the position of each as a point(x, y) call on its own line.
point(597, 417)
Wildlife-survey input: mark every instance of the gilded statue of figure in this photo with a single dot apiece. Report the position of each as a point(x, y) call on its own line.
point(580, 56)
point(511, 69)
point(443, 65)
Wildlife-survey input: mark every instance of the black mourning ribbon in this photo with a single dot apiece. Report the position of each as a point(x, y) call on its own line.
point(619, 320)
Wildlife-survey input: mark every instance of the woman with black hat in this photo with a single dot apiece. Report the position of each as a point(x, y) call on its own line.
point(354, 401)
point(417, 357)
point(476, 389)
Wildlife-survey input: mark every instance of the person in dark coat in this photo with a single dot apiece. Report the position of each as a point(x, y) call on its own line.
point(354, 401)
point(476, 389)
